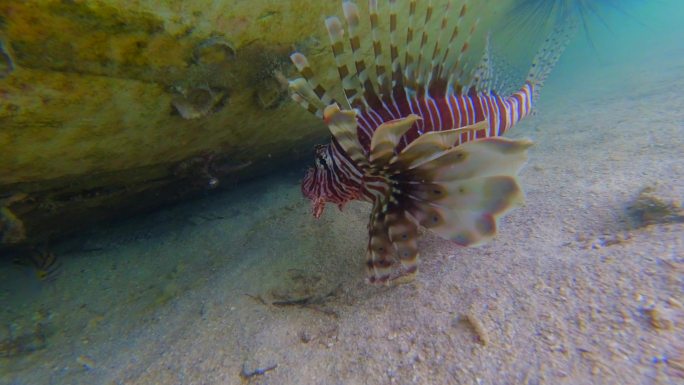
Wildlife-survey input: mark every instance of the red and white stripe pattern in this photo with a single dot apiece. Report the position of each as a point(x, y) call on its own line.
point(334, 179)
point(448, 112)
point(337, 179)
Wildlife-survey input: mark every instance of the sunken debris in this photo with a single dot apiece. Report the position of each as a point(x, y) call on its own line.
point(650, 208)
point(214, 50)
point(197, 102)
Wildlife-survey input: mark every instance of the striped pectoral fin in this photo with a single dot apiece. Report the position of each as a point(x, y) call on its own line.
point(480, 158)
point(492, 194)
point(342, 125)
point(403, 233)
point(465, 211)
point(461, 194)
point(380, 253)
point(387, 136)
point(466, 228)
point(392, 236)
point(431, 145)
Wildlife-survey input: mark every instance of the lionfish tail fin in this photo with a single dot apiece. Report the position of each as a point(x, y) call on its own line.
point(549, 53)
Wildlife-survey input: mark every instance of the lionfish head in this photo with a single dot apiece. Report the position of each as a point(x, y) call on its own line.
point(317, 182)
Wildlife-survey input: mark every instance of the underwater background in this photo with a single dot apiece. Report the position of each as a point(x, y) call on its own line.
point(110, 273)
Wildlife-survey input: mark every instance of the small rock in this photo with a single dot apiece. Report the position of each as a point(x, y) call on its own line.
point(86, 362)
point(474, 325)
point(659, 318)
point(305, 336)
point(251, 369)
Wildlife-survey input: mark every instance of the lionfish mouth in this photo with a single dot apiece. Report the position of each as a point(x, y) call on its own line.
point(317, 202)
point(317, 207)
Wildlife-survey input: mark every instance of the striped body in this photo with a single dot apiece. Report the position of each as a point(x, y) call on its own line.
point(344, 181)
point(448, 112)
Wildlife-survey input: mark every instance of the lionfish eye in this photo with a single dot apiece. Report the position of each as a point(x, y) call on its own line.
point(321, 156)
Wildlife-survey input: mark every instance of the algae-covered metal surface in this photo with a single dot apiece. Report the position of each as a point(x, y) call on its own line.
point(110, 103)
point(110, 107)
point(93, 84)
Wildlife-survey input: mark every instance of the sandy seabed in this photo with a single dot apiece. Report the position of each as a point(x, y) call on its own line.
point(246, 287)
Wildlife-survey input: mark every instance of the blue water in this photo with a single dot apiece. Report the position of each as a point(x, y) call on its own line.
point(245, 282)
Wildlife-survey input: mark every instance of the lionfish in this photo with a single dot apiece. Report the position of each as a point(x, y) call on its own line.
point(421, 138)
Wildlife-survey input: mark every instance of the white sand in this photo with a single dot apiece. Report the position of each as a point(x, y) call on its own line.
point(562, 296)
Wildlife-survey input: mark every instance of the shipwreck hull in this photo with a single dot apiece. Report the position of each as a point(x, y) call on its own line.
point(108, 108)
